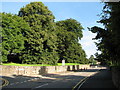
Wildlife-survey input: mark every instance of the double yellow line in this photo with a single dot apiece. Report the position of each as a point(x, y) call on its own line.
point(82, 81)
point(6, 82)
point(79, 83)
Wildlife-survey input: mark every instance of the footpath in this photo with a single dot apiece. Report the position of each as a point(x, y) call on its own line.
point(99, 81)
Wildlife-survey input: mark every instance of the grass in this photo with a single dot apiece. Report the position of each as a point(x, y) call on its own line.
point(59, 64)
point(16, 64)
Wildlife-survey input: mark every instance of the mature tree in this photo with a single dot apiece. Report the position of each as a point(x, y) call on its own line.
point(69, 33)
point(36, 38)
point(75, 54)
point(12, 36)
point(109, 38)
point(41, 40)
point(92, 60)
point(0, 39)
point(71, 25)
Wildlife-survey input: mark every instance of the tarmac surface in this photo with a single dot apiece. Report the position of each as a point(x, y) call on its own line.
point(94, 78)
point(63, 80)
point(101, 80)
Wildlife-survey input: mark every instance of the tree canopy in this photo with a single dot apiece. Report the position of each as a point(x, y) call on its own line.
point(12, 36)
point(109, 38)
point(69, 33)
point(41, 42)
point(36, 38)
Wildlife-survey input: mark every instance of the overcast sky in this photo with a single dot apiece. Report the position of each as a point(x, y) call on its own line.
point(84, 12)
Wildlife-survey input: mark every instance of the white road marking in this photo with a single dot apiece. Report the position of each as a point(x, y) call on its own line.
point(41, 85)
point(29, 80)
point(16, 82)
point(25, 81)
point(21, 82)
point(12, 83)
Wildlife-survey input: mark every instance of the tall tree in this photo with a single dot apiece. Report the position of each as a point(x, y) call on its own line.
point(12, 36)
point(41, 40)
point(69, 33)
point(109, 38)
point(71, 25)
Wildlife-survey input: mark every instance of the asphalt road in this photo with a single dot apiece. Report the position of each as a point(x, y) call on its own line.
point(101, 80)
point(66, 80)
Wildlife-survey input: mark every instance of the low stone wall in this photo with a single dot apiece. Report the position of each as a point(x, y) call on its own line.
point(37, 70)
point(116, 76)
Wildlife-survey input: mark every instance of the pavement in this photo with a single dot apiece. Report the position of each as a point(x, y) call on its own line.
point(101, 80)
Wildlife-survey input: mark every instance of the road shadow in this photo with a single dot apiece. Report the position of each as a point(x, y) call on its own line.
point(101, 80)
point(15, 80)
point(87, 70)
point(22, 82)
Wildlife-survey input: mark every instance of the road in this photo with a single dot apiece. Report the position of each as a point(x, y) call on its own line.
point(101, 80)
point(57, 80)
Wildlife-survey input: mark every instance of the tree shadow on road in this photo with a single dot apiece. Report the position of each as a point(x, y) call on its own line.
point(44, 77)
point(22, 82)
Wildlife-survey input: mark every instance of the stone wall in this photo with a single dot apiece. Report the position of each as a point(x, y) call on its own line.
point(38, 70)
point(116, 76)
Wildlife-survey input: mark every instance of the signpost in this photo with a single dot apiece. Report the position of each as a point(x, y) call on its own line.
point(63, 62)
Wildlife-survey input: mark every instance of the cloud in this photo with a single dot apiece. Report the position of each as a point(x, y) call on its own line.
point(87, 43)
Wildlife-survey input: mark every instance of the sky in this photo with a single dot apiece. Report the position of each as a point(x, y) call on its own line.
point(84, 12)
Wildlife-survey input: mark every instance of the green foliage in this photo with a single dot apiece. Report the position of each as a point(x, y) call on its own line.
point(109, 37)
point(41, 40)
point(12, 37)
point(92, 60)
point(69, 32)
point(71, 25)
point(37, 39)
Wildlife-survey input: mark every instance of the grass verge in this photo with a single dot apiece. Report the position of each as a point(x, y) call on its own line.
point(59, 64)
